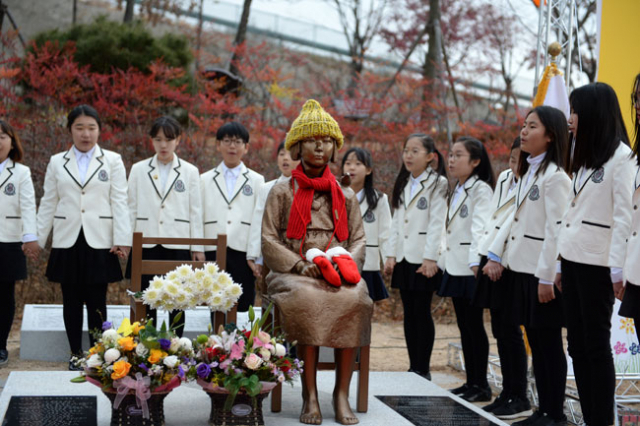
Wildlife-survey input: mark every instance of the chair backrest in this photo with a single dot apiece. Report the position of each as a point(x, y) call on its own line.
point(141, 267)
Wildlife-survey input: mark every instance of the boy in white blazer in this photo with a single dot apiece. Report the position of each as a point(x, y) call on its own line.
point(85, 203)
point(18, 233)
point(630, 294)
point(376, 218)
point(229, 195)
point(286, 165)
point(419, 208)
point(592, 242)
point(469, 209)
point(165, 201)
point(530, 257)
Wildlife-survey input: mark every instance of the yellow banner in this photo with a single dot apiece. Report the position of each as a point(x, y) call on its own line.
point(619, 61)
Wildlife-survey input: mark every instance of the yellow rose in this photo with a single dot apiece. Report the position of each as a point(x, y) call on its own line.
point(156, 355)
point(96, 349)
point(126, 343)
point(120, 369)
point(137, 327)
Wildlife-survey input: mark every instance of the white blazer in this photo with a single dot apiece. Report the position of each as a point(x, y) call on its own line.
point(254, 250)
point(597, 222)
point(464, 228)
point(377, 227)
point(17, 203)
point(418, 222)
point(503, 204)
point(229, 216)
point(632, 262)
point(531, 240)
point(176, 211)
point(98, 207)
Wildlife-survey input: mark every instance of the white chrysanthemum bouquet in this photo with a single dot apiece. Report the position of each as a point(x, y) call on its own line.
point(184, 288)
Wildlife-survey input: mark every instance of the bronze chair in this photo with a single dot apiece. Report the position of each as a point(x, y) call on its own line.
point(141, 267)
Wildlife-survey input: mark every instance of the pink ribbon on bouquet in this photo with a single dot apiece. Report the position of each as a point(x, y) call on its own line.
point(140, 386)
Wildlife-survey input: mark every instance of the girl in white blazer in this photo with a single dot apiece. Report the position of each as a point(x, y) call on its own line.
point(419, 208)
point(85, 202)
point(512, 401)
point(530, 256)
point(18, 232)
point(468, 211)
point(630, 294)
point(286, 165)
point(376, 218)
point(229, 195)
point(592, 242)
point(164, 201)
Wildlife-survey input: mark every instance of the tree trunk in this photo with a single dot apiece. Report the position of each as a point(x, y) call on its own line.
point(433, 58)
point(240, 37)
point(128, 11)
point(74, 13)
point(199, 36)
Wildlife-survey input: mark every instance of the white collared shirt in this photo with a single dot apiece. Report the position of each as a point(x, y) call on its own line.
point(416, 181)
point(514, 184)
point(359, 194)
point(230, 177)
point(82, 160)
point(164, 170)
point(583, 174)
point(534, 165)
point(456, 196)
point(4, 164)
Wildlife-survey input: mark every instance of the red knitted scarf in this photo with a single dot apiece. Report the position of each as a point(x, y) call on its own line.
point(300, 215)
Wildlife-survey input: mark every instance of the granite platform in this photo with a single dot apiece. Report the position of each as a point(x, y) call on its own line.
point(188, 405)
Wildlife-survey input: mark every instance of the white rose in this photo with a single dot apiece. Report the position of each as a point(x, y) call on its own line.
point(141, 350)
point(111, 355)
point(94, 361)
point(186, 343)
point(171, 361)
point(110, 336)
point(175, 345)
point(253, 361)
point(280, 350)
point(265, 354)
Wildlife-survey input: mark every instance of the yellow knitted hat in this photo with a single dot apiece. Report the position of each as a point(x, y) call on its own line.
point(312, 122)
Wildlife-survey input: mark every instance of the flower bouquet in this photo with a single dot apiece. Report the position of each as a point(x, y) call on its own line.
point(136, 366)
point(241, 367)
point(184, 288)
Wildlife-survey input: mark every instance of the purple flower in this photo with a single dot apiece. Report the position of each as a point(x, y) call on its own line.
point(106, 325)
point(214, 364)
point(180, 372)
point(164, 344)
point(143, 366)
point(203, 370)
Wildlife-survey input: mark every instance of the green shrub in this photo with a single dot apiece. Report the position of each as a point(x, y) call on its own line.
point(104, 44)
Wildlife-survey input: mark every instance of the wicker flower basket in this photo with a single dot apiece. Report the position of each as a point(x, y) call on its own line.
point(129, 413)
point(246, 411)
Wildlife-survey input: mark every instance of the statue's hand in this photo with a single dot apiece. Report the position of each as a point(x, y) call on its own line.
point(308, 269)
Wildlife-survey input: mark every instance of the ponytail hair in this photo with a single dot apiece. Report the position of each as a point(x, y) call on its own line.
point(442, 168)
point(364, 156)
point(477, 151)
point(403, 176)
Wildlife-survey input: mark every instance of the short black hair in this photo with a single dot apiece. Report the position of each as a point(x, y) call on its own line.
point(16, 153)
point(81, 110)
point(477, 151)
point(233, 129)
point(516, 143)
point(169, 126)
point(555, 126)
point(280, 148)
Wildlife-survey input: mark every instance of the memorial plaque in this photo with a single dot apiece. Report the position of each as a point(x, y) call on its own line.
point(434, 411)
point(51, 411)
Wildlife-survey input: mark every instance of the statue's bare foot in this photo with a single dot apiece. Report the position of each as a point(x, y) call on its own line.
point(344, 415)
point(311, 414)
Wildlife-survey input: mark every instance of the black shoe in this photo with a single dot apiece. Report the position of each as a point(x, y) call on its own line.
point(426, 375)
point(74, 364)
point(529, 421)
point(4, 357)
point(497, 403)
point(562, 422)
point(513, 409)
point(477, 394)
point(460, 390)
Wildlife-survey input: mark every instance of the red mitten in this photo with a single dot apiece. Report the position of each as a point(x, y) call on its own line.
point(326, 267)
point(346, 265)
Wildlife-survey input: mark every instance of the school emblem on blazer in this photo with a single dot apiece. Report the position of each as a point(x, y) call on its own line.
point(598, 175)
point(422, 203)
point(10, 189)
point(464, 211)
point(247, 190)
point(103, 175)
point(369, 217)
point(535, 193)
point(179, 186)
